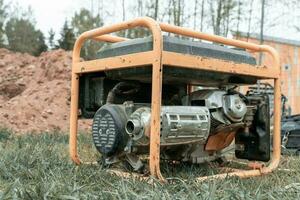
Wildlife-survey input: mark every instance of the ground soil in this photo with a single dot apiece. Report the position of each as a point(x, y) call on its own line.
point(35, 91)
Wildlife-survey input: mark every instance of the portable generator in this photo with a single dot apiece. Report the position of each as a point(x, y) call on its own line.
point(173, 98)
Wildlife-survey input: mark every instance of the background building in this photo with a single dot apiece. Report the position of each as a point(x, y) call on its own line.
point(289, 51)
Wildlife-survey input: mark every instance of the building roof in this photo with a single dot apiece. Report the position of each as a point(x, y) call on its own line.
point(268, 38)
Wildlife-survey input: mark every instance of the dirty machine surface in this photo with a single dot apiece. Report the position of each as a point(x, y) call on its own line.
point(195, 125)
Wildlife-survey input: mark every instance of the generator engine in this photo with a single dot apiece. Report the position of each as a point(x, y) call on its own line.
point(195, 130)
point(195, 126)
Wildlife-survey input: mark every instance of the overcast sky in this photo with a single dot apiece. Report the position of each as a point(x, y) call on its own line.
point(49, 13)
point(52, 14)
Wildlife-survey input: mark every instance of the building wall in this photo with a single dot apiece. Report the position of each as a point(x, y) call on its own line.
point(290, 71)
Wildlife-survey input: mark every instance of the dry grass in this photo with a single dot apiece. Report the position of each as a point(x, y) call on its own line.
point(38, 167)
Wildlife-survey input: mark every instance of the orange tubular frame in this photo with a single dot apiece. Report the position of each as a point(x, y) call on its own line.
point(157, 58)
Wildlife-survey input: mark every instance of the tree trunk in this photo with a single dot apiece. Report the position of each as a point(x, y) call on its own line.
point(100, 9)
point(249, 20)
point(262, 29)
point(181, 13)
point(227, 8)
point(92, 7)
point(202, 15)
point(123, 10)
point(156, 9)
point(195, 14)
point(238, 18)
point(217, 24)
point(140, 8)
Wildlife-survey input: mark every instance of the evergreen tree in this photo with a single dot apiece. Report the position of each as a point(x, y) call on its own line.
point(84, 21)
point(22, 36)
point(50, 38)
point(42, 44)
point(3, 16)
point(67, 38)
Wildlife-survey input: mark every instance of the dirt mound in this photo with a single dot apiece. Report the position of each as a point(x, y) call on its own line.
point(35, 91)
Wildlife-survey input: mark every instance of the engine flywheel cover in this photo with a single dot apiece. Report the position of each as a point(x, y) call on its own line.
point(108, 129)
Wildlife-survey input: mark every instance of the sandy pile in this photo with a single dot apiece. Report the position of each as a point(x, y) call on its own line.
point(35, 91)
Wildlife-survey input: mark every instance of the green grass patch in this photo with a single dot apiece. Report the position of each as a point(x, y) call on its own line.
point(37, 166)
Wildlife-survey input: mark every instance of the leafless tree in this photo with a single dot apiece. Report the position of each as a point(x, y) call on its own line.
point(178, 12)
point(156, 9)
point(221, 13)
point(100, 9)
point(123, 10)
point(195, 13)
point(92, 7)
point(202, 15)
point(249, 19)
point(238, 17)
point(140, 8)
point(169, 11)
point(216, 16)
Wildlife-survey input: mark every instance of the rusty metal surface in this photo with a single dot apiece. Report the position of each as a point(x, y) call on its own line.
point(219, 141)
